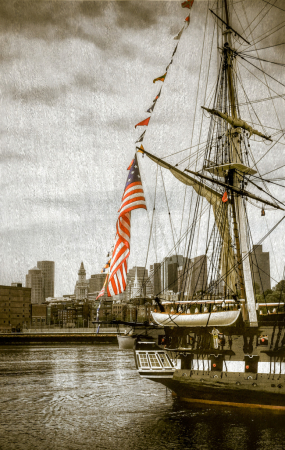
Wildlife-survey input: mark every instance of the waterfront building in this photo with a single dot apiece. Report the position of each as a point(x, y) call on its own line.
point(81, 287)
point(69, 313)
point(47, 269)
point(15, 307)
point(119, 311)
point(35, 281)
point(132, 313)
point(260, 266)
point(38, 316)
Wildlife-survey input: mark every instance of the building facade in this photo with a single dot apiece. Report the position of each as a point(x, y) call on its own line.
point(15, 307)
point(69, 313)
point(35, 281)
point(47, 269)
point(38, 316)
point(138, 284)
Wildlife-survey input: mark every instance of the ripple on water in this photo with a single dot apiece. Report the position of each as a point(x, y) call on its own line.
point(77, 397)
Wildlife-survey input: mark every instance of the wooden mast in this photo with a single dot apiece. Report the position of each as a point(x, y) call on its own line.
point(239, 217)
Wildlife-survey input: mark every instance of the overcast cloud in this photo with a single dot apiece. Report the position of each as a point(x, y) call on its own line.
point(75, 79)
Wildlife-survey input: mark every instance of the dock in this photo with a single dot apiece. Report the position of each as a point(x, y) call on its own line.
point(62, 336)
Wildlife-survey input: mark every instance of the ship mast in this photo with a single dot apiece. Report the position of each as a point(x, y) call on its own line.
point(238, 208)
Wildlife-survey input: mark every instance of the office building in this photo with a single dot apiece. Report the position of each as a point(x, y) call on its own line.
point(47, 269)
point(155, 276)
point(192, 278)
point(260, 266)
point(169, 272)
point(35, 281)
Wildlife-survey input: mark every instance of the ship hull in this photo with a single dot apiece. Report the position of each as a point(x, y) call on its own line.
point(265, 393)
point(246, 367)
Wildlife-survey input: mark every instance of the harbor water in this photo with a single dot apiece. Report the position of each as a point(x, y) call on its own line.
point(91, 397)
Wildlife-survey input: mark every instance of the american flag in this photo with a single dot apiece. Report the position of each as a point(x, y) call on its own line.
point(101, 293)
point(133, 198)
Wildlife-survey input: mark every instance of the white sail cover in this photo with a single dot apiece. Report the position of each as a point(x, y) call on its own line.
point(214, 319)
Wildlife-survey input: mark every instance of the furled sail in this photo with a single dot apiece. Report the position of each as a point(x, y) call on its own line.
point(220, 211)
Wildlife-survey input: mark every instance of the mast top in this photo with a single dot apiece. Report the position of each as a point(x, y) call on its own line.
point(229, 27)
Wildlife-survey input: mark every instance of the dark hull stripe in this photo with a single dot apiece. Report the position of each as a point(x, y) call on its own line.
point(159, 374)
point(239, 405)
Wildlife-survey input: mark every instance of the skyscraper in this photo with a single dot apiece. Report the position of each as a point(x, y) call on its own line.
point(35, 281)
point(260, 266)
point(169, 272)
point(47, 269)
point(193, 277)
point(155, 276)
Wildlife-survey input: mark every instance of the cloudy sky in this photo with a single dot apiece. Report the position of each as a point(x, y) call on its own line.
point(75, 79)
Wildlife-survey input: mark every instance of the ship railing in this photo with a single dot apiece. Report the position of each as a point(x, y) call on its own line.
point(203, 302)
point(276, 304)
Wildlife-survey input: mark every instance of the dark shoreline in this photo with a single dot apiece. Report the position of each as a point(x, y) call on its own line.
point(57, 338)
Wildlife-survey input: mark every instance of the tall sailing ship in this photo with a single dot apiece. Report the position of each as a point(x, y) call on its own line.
point(221, 345)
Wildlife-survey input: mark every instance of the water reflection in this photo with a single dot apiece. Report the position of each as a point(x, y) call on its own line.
point(91, 397)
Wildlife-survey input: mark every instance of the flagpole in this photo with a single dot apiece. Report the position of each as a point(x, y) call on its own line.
point(98, 309)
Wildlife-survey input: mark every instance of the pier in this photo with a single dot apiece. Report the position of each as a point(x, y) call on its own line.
point(61, 336)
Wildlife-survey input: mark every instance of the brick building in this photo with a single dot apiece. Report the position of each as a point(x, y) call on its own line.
point(70, 313)
point(15, 307)
point(38, 316)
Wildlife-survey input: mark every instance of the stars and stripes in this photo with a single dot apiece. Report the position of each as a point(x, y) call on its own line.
point(133, 198)
point(101, 293)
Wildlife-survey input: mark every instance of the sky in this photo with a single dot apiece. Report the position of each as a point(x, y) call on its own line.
point(76, 77)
